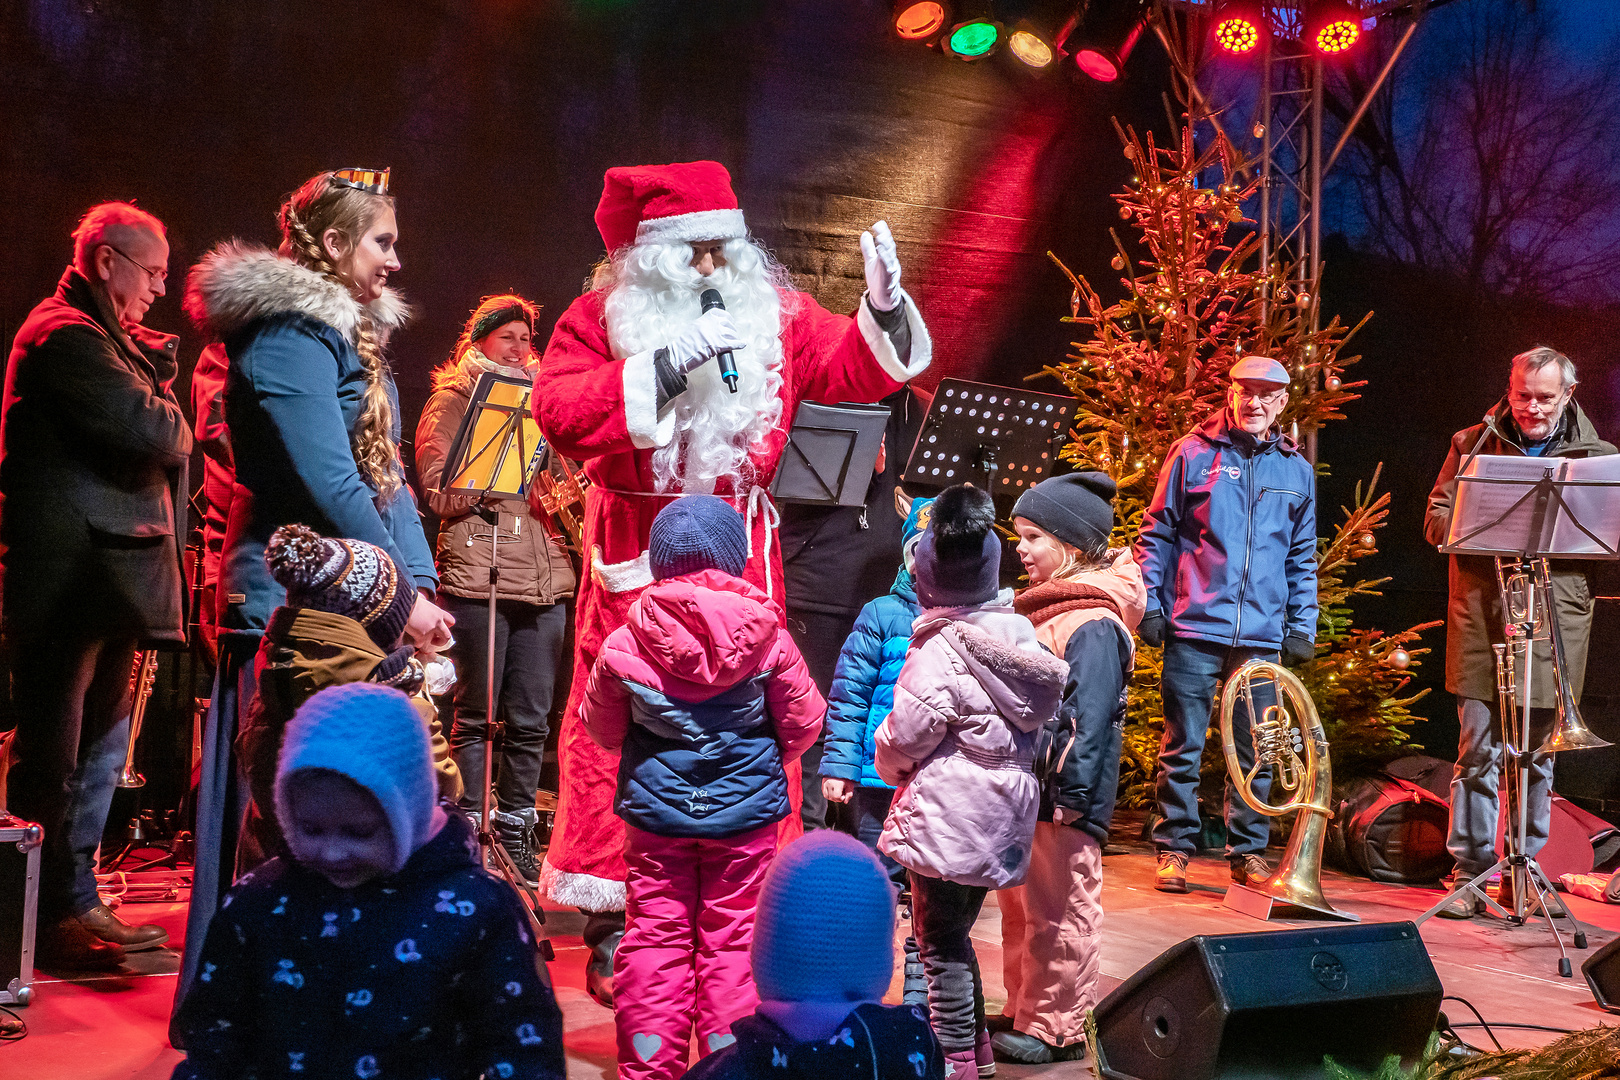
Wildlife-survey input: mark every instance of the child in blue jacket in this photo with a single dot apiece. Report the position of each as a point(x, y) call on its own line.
point(863, 693)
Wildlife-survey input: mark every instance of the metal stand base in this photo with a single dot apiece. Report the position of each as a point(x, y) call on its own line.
point(1261, 905)
point(1528, 879)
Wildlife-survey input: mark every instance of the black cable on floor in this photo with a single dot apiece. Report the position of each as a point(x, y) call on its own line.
point(1523, 1027)
point(13, 1036)
point(1470, 1007)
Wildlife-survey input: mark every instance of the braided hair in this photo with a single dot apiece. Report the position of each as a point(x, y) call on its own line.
point(322, 204)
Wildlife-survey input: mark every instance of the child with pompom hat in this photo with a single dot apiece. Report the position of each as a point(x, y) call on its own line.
point(343, 622)
point(969, 706)
point(822, 958)
point(707, 700)
point(379, 947)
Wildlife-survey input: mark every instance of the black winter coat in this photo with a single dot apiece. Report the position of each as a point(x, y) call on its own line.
point(430, 972)
point(877, 1041)
point(93, 475)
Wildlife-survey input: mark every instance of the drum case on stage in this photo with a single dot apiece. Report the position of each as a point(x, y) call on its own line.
point(19, 907)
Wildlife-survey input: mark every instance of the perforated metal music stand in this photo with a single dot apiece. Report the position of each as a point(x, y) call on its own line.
point(1001, 438)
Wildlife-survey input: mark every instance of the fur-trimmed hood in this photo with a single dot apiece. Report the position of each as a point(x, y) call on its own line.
point(237, 283)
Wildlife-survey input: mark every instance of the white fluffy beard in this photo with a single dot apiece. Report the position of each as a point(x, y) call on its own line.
point(652, 294)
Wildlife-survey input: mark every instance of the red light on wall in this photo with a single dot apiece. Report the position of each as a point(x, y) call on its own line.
point(919, 21)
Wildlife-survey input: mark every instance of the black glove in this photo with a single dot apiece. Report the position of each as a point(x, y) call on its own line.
point(1296, 649)
point(1151, 628)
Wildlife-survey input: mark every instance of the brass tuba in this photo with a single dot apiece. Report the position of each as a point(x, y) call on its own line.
point(1289, 740)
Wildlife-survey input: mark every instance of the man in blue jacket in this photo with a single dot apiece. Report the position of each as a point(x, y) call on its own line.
point(1228, 556)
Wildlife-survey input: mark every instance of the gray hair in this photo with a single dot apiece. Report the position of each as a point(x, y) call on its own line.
point(111, 223)
point(1539, 357)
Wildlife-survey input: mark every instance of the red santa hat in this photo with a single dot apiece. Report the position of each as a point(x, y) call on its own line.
point(688, 201)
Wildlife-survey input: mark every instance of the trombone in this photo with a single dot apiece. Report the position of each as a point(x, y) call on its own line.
point(141, 681)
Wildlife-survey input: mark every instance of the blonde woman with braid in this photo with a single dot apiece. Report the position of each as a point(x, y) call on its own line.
point(314, 429)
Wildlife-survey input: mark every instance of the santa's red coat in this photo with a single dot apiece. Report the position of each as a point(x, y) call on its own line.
point(603, 412)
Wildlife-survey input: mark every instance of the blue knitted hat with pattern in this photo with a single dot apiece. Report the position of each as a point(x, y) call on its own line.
point(824, 930)
point(697, 532)
point(375, 737)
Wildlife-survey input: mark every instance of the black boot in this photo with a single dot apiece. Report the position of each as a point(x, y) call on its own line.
point(603, 930)
point(516, 834)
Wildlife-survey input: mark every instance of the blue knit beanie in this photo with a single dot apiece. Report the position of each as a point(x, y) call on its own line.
point(958, 561)
point(824, 929)
point(375, 737)
point(697, 532)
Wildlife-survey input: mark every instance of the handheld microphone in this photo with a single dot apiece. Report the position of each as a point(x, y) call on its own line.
point(710, 299)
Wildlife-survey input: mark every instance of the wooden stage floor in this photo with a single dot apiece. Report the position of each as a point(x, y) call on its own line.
point(115, 1027)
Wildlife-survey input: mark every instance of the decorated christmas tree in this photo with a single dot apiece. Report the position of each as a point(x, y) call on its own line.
point(1154, 365)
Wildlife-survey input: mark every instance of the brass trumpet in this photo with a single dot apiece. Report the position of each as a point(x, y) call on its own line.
point(141, 682)
point(1288, 739)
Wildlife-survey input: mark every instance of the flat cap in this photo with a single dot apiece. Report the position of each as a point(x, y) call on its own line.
point(1260, 369)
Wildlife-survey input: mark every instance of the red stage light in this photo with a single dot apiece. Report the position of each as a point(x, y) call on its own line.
point(919, 21)
point(1240, 26)
point(1331, 27)
point(1110, 33)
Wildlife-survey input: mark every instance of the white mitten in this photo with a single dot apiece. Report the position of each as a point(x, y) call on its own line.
point(713, 332)
point(882, 267)
point(441, 675)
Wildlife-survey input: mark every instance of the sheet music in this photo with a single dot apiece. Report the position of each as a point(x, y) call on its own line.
point(1597, 508)
point(1477, 504)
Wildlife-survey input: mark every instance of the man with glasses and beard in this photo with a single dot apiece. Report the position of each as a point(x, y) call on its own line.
point(93, 452)
point(631, 385)
point(1537, 418)
point(1228, 556)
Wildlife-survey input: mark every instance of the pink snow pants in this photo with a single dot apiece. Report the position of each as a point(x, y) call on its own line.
point(1050, 943)
point(682, 965)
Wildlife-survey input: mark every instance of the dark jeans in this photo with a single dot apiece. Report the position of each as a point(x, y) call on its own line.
point(942, 918)
point(1192, 670)
point(528, 650)
point(871, 805)
point(71, 700)
point(1474, 782)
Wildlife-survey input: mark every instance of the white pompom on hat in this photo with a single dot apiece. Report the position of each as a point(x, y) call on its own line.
point(825, 924)
point(375, 737)
point(688, 201)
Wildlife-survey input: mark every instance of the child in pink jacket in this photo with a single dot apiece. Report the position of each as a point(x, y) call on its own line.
point(971, 700)
point(707, 699)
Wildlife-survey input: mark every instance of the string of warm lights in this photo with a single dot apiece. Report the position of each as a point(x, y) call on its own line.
point(1097, 36)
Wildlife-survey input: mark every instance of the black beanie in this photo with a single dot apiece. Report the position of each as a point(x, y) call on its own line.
point(1077, 508)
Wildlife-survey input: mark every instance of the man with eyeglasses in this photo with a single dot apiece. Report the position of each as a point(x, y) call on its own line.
point(1228, 555)
point(1538, 418)
point(93, 486)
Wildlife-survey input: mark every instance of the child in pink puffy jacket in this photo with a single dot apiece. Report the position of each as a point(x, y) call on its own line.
point(707, 700)
point(975, 692)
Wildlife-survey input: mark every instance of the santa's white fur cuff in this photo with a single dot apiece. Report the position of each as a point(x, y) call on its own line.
point(647, 429)
point(922, 346)
point(581, 890)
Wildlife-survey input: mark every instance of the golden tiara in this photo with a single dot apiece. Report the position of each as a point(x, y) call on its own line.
point(374, 181)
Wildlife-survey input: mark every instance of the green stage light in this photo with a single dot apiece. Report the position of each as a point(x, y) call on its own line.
point(974, 39)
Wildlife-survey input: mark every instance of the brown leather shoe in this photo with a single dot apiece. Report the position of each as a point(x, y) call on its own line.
point(1249, 869)
point(1171, 876)
point(107, 926)
point(66, 944)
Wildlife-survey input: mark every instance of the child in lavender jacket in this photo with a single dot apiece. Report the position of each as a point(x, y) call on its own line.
point(975, 691)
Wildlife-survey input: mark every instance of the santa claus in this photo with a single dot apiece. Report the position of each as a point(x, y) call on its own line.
point(630, 385)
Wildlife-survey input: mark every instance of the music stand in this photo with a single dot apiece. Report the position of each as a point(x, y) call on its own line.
point(1525, 517)
point(1003, 438)
point(831, 454)
point(497, 451)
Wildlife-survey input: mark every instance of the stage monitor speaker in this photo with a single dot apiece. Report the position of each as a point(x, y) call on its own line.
point(1602, 971)
point(1271, 1004)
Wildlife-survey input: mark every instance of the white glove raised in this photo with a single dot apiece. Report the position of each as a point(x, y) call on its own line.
point(882, 267)
point(713, 332)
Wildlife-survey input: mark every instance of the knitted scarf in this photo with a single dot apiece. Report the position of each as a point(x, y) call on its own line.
point(1039, 603)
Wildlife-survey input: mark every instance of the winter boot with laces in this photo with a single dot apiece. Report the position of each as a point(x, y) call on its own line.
point(516, 834)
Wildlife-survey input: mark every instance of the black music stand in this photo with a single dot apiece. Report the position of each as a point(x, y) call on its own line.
point(497, 451)
point(831, 454)
point(1525, 519)
point(1001, 438)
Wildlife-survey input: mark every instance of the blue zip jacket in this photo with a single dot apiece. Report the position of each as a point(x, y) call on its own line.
point(862, 691)
point(1228, 545)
